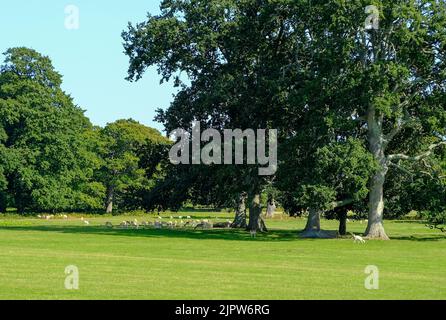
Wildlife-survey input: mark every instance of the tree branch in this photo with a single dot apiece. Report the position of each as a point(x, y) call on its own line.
point(338, 204)
point(401, 121)
point(426, 154)
point(402, 169)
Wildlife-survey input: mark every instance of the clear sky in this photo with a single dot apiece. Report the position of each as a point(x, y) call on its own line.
point(90, 58)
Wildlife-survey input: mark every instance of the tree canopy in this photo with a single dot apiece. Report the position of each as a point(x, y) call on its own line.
point(317, 72)
point(42, 138)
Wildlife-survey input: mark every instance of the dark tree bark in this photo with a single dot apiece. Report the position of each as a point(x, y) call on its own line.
point(3, 202)
point(20, 203)
point(240, 213)
point(343, 222)
point(256, 222)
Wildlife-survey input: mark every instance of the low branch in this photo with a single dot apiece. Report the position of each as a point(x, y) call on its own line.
point(338, 204)
point(397, 129)
point(426, 154)
point(400, 123)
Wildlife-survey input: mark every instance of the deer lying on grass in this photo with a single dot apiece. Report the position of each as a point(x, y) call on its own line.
point(204, 224)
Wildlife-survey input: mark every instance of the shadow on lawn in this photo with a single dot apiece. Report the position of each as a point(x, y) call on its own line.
point(221, 234)
point(216, 234)
point(410, 221)
point(423, 238)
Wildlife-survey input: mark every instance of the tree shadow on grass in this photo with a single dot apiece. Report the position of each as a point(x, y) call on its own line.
point(410, 221)
point(192, 210)
point(215, 234)
point(421, 238)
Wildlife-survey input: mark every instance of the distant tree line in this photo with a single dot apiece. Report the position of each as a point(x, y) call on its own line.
point(53, 159)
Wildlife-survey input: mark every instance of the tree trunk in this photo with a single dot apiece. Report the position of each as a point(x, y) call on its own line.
point(314, 221)
point(377, 146)
point(19, 202)
point(3, 204)
point(375, 228)
point(109, 200)
point(240, 213)
point(256, 222)
point(343, 222)
point(313, 227)
point(271, 209)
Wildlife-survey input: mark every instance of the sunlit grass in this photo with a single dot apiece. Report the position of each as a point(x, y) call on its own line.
point(214, 264)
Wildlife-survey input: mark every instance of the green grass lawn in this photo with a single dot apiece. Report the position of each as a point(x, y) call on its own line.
point(216, 264)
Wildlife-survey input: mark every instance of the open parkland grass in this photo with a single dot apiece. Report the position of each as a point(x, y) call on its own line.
point(215, 264)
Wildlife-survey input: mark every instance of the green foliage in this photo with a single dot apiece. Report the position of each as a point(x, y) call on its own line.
point(214, 43)
point(45, 156)
point(51, 157)
point(346, 168)
point(436, 220)
point(309, 69)
point(419, 186)
point(125, 147)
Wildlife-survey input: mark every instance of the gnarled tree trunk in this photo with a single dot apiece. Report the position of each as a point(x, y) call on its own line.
point(314, 221)
point(375, 228)
point(256, 222)
point(377, 146)
point(240, 213)
point(313, 227)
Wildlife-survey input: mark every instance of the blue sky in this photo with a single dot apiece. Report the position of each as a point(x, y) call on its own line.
point(91, 58)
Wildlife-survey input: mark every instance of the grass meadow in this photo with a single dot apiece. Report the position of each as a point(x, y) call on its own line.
point(215, 264)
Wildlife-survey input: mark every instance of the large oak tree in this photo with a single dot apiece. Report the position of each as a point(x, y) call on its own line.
point(339, 69)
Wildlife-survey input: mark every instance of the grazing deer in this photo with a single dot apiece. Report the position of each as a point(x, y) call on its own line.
point(253, 233)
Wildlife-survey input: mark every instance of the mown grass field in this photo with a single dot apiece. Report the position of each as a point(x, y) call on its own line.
point(215, 264)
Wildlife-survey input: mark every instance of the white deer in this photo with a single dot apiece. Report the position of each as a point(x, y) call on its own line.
point(357, 239)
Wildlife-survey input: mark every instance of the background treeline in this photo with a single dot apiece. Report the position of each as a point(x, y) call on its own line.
point(53, 159)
